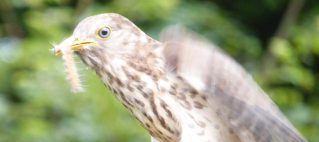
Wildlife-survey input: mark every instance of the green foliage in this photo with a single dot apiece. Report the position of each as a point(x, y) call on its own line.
point(35, 99)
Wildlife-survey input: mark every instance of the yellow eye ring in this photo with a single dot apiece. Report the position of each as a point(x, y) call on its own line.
point(104, 32)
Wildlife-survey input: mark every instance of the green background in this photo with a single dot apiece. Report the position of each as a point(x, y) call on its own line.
point(277, 41)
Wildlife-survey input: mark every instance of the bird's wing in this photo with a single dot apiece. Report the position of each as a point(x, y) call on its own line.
point(232, 91)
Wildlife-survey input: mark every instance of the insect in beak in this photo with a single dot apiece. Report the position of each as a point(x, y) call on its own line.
point(65, 49)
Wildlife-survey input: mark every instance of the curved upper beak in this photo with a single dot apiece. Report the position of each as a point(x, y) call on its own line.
point(73, 43)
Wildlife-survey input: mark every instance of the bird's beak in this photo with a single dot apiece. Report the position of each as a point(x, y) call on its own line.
point(74, 43)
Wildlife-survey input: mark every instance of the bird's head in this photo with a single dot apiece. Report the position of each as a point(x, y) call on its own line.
point(105, 36)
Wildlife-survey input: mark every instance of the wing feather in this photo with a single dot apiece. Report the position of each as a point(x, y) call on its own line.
point(233, 93)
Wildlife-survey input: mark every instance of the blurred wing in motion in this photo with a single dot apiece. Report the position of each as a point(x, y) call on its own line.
point(233, 94)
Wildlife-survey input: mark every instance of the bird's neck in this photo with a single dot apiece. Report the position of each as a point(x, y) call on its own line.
point(138, 81)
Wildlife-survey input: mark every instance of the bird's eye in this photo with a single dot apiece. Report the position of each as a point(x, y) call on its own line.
point(104, 32)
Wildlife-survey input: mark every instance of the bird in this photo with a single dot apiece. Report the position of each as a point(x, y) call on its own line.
point(182, 87)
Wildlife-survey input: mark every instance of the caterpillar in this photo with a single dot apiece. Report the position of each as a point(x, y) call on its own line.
point(71, 70)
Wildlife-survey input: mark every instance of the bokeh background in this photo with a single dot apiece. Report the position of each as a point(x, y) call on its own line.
point(277, 41)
